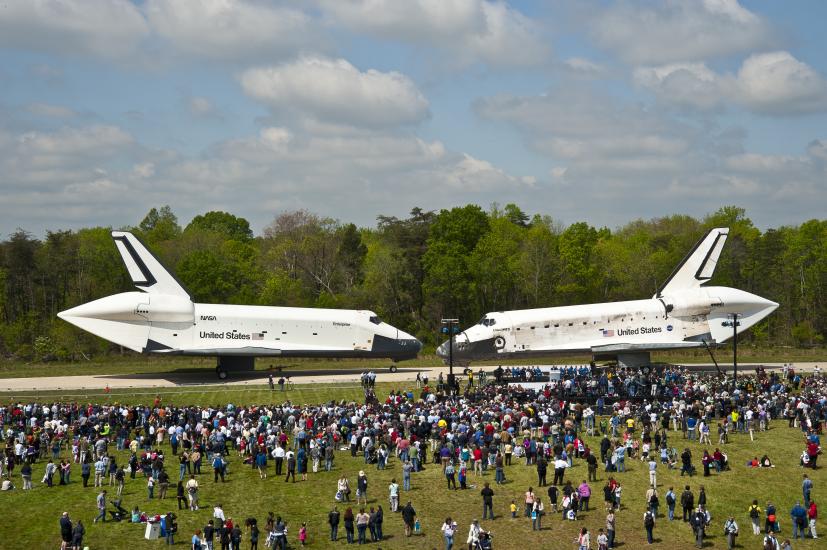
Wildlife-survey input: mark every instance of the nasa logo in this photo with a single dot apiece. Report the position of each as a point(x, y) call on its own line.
point(208, 317)
point(669, 328)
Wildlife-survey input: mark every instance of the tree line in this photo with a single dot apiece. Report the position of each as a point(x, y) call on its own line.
point(413, 271)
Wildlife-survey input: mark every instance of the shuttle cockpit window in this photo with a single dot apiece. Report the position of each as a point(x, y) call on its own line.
point(375, 320)
point(486, 322)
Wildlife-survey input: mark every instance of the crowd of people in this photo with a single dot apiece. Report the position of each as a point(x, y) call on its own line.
point(636, 415)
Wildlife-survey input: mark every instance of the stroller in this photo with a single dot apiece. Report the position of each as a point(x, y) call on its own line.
point(484, 542)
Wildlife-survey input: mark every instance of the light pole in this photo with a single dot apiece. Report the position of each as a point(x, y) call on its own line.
point(733, 322)
point(450, 327)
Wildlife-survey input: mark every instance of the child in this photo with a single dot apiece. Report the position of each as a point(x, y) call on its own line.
point(303, 534)
point(513, 509)
point(602, 541)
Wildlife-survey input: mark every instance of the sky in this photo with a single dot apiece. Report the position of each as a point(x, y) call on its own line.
point(603, 111)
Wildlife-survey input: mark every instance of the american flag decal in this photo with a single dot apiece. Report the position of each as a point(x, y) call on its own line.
point(257, 336)
point(607, 332)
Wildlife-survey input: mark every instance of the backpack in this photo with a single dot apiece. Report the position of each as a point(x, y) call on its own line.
point(753, 512)
point(670, 499)
point(648, 520)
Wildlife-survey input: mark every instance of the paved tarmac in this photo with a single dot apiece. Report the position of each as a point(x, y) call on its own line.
point(207, 377)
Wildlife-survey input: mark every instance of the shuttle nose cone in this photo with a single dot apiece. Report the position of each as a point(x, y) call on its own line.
point(402, 346)
point(443, 351)
point(79, 311)
point(409, 342)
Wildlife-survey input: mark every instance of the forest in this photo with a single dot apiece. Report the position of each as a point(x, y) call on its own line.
point(458, 263)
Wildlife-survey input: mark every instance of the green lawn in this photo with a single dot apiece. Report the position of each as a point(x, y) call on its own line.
point(31, 518)
point(210, 395)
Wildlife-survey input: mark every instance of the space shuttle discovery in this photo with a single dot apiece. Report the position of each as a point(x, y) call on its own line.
point(162, 319)
point(682, 314)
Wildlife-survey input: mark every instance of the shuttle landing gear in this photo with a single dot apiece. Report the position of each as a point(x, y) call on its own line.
point(226, 365)
point(392, 368)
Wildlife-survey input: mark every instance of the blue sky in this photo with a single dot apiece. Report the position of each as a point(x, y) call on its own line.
point(597, 110)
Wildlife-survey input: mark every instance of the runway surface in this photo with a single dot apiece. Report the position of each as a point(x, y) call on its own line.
point(207, 377)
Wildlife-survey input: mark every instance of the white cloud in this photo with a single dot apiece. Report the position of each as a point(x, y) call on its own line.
point(96, 141)
point(46, 72)
point(614, 146)
point(77, 176)
point(784, 179)
point(103, 28)
point(617, 160)
point(646, 33)
point(201, 106)
point(50, 111)
point(469, 30)
point(144, 170)
point(761, 164)
point(231, 29)
point(44, 160)
point(773, 83)
point(276, 139)
point(359, 173)
point(778, 83)
point(471, 174)
point(336, 91)
point(583, 65)
point(66, 176)
point(605, 148)
point(817, 149)
point(686, 84)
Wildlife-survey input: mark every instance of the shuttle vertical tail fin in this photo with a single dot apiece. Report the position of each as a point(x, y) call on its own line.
point(146, 271)
point(699, 265)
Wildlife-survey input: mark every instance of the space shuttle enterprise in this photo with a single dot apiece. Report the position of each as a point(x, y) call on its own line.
point(682, 314)
point(162, 319)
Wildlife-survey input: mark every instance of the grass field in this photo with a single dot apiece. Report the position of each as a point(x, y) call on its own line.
point(211, 395)
point(30, 519)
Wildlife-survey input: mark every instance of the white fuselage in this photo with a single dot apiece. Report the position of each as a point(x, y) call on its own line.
point(158, 323)
point(685, 319)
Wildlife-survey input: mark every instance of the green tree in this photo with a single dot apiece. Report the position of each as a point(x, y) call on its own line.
point(223, 223)
point(306, 247)
point(448, 281)
point(580, 279)
point(350, 255)
point(539, 267)
point(394, 272)
point(209, 277)
point(515, 215)
point(160, 225)
point(493, 265)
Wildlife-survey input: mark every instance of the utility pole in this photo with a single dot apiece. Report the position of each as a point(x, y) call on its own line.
point(451, 327)
point(734, 324)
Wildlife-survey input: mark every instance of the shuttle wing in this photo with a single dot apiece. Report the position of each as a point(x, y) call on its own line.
point(146, 271)
point(698, 266)
point(654, 346)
